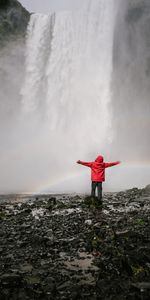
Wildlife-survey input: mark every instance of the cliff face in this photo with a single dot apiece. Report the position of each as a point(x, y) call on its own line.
point(13, 23)
point(131, 79)
point(13, 20)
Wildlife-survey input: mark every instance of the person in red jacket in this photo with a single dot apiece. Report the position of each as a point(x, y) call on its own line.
point(97, 173)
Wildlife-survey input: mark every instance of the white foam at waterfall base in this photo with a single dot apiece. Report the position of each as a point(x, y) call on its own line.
point(66, 94)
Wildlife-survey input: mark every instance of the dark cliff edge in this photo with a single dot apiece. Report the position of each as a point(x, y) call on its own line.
point(14, 19)
point(131, 79)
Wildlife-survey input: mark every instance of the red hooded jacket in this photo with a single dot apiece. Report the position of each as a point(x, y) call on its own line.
point(98, 168)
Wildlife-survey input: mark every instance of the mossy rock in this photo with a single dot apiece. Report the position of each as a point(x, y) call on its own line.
point(2, 215)
point(139, 222)
point(92, 202)
point(61, 205)
point(32, 280)
point(138, 272)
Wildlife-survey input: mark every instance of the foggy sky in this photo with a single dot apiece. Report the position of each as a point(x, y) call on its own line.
point(45, 6)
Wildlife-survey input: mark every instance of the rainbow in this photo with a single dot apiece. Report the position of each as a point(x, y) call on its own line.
point(124, 167)
point(48, 185)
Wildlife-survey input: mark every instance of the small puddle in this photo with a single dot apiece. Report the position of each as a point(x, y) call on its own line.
point(84, 262)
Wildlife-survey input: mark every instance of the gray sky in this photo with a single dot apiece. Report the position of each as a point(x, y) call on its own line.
point(46, 6)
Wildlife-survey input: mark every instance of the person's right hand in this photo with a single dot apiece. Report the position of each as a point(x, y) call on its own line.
point(78, 161)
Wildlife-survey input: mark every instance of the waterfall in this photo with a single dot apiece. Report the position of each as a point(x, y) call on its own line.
point(67, 84)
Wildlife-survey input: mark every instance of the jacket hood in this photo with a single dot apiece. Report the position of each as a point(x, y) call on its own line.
point(99, 159)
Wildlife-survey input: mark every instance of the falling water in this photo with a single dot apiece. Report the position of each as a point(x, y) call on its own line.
point(67, 85)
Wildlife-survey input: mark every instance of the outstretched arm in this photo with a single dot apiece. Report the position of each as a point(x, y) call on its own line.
point(111, 164)
point(87, 164)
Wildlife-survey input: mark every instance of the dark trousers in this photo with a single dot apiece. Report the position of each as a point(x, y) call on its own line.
point(99, 189)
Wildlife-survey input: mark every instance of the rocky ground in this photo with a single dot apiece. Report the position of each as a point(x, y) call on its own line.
point(69, 247)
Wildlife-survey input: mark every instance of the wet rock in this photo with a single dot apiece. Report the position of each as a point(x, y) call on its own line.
point(122, 233)
point(3, 215)
point(142, 285)
point(13, 20)
point(51, 203)
point(147, 189)
point(88, 222)
point(10, 279)
point(52, 200)
point(92, 202)
point(26, 268)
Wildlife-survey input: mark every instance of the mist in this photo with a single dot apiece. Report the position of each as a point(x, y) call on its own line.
point(46, 126)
